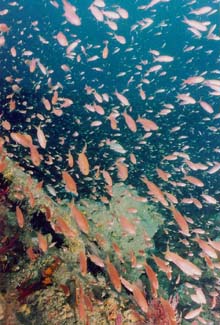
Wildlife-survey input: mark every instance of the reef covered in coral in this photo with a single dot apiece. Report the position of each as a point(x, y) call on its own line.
point(86, 262)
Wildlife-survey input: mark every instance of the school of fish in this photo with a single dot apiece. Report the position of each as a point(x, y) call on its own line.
point(96, 94)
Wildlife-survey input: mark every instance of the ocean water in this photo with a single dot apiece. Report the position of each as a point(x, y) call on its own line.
point(171, 34)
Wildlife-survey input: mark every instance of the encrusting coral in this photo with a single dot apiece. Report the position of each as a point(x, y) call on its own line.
point(89, 274)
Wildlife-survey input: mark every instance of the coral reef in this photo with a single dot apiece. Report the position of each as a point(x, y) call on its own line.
point(79, 263)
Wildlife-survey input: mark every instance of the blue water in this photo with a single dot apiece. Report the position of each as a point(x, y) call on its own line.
point(168, 34)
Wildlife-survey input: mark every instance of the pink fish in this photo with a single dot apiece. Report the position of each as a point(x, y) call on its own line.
point(207, 107)
point(131, 124)
point(113, 275)
point(97, 13)
point(79, 218)
point(124, 101)
point(186, 266)
point(155, 191)
point(163, 58)
point(61, 38)
point(70, 13)
point(148, 125)
point(195, 24)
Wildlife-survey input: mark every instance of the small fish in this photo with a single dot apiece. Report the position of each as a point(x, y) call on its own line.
point(79, 218)
point(122, 170)
point(70, 159)
point(194, 180)
point(147, 125)
point(170, 311)
point(163, 266)
point(69, 182)
point(163, 58)
point(61, 226)
point(124, 101)
point(186, 266)
point(140, 298)
point(105, 51)
point(83, 163)
point(152, 276)
point(42, 241)
point(96, 260)
point(20, 217)
point(97, 13)
point(21, 138)
point(193, 313)
point(41, 137)
point(155, 191)
point(113, 275)
point(181, 221)
point(70, 13)
point(207, 249)
point(61, 38)
point(83, 263)
point(131, 124)
point(35, 156)
point(207, 107)
point(127, 226)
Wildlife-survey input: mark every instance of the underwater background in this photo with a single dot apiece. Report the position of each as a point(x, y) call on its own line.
point(109, 162)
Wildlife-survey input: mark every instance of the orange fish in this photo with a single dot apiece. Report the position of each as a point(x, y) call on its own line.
point(62, 227)
point(126, 284)
point(61, 38)
point(147, 125)
point(83, 163)
point(208, 250)
point(113, 274)
point(54, 98)
point(140, 299)
point(180, 221)
point(118, 251)
point(96, 260)
point(122, 170)
point(35, 156)
point(152, 279)
point(163, 266)
point(127, 226)
point(214, 244)
point(32, 65)
point(70, 159)
point(69, 182)
point(6, 125)
point(170, 312)
point(107, 177)
point(3, 165)
point(193, 180)
point(42, 241)
point(186, 266)
point(133, 159)
point(193, 313)
point(80, 303)
point(124, 101)
point(105, 51)
point(155, 191)
point(46, 103)
point(83, 263)
point(70, 13)
point(163, 175)
point(20, 217)
point(79, 218)
point(131, 124)
point(30, 252)
point(21, 138)
point(41, 137)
